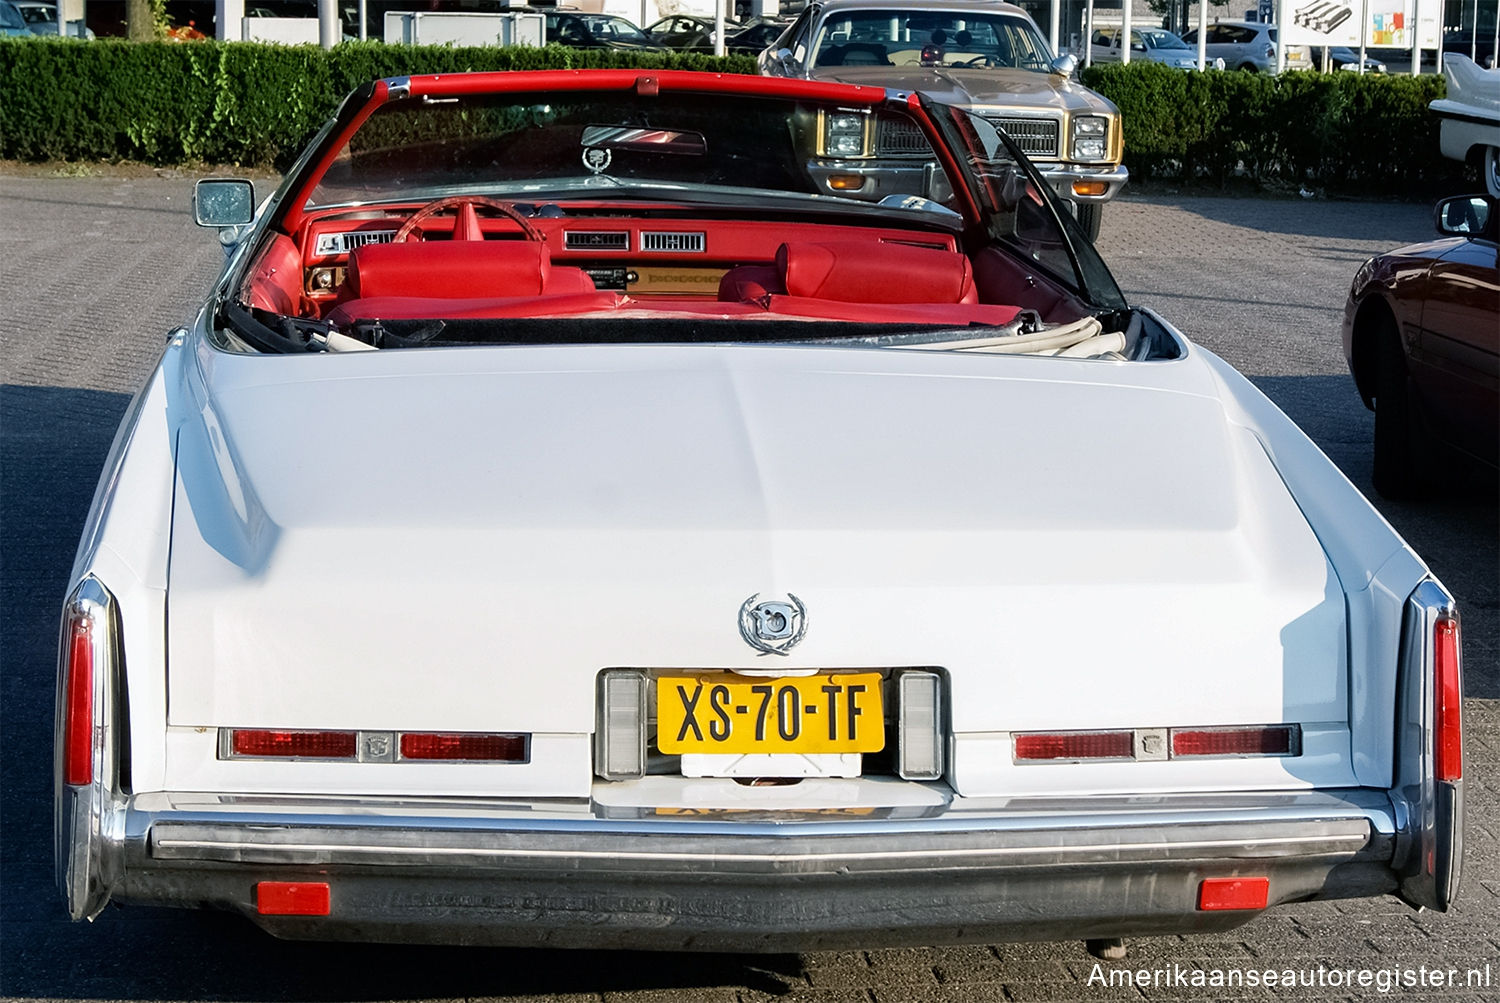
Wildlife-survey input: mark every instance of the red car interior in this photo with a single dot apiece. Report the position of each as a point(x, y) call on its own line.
point(744, 268)
point(460, 268)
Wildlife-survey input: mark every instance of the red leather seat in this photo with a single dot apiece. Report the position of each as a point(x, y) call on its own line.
point(856, 272)
point(460, 269)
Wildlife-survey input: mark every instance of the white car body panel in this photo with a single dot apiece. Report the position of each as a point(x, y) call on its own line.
point(648, 491)
point(446, 544)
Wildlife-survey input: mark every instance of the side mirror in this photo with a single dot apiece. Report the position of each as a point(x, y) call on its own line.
point(1465, 216)
point(1064, 65)
point(784, 59)
point(223, 202)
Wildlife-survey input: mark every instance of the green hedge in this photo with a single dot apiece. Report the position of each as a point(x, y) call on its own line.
point(237, 103)
point(254, 104)
point(1341, 132)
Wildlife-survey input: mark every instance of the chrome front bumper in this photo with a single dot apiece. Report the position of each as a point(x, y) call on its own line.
point(882, 178)
point(575, 875)
point(1062, 176)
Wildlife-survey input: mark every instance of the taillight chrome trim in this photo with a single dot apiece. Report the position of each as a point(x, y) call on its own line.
point(370, 746)
point(1122, 739)
point(1148, 745)
point(1291, 748)
point(1429, 809)
point(87, 815)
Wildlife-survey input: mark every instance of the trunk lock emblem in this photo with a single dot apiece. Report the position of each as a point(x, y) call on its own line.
point(773, 627)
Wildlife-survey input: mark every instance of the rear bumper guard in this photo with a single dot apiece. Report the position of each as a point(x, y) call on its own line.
point(1091, 868)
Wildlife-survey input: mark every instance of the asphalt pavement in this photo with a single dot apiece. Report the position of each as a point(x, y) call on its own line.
point(95, 270)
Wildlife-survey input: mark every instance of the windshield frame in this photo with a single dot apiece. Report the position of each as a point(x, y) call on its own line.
point(1013, 21)
point(964, 130)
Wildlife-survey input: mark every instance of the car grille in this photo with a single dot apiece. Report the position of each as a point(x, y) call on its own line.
point(897, 137)
point(1037, 137)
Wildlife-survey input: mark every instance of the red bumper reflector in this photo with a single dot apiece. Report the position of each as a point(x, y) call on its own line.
point(1233, 893)
point(1075, 745)
point(304, 744)
point(489, 748)
point(1448, 751)
point(292, 898)
point(1276, 740)
point(78, 724)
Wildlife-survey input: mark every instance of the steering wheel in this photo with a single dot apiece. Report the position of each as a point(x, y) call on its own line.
point(466, 226)
point(980, 60)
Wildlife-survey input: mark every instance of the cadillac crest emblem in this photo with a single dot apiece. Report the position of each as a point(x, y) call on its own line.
point(773, 627)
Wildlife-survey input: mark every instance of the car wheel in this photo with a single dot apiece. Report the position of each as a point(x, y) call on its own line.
point(1089, 216)
point(1398, 471)
point(1249, 67)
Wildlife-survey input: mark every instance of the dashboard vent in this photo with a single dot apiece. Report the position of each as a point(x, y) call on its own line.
point(1037, 137)
point(596, 240)
point(677, 243)
point(343, 243)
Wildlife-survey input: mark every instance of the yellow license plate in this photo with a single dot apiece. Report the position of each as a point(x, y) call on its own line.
point(723, 713)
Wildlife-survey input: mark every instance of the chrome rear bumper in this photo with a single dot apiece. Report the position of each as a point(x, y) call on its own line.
point(564, 876)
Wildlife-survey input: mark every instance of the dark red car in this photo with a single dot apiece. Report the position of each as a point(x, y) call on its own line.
point(1422, 335)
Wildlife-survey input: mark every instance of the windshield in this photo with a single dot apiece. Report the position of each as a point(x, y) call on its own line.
point(680, 207)
point(611, 143)
point(931, 38)
point(576, 28)
point(1160, 40)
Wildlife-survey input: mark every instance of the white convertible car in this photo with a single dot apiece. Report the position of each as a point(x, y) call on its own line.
point(576, 519)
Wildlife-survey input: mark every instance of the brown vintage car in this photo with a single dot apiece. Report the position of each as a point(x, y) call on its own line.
point(983, 55)
point(1422, 335)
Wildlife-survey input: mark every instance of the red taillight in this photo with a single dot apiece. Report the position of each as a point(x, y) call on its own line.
point(292, 898)
point(303, 744)
point(1275, 740)
point(78, 703)
point(1075, 745)
point(508, 748)
point(1234, 893)
point(1448, 737)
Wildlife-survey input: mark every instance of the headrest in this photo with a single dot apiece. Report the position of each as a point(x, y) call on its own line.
point(457, 268)
point(872, 272)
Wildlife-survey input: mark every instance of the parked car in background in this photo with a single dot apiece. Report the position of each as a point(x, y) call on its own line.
point(692, 556)
point(11, 21)
point(596, 31)
point(1341, 57)
point(688, 32)
point(41, 18)
point(1155, 45)
point(986, 56)
point(1248, 45)
point(756, 35)
point(1422, 336)
point(1469, 117)
point(1480, 46)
